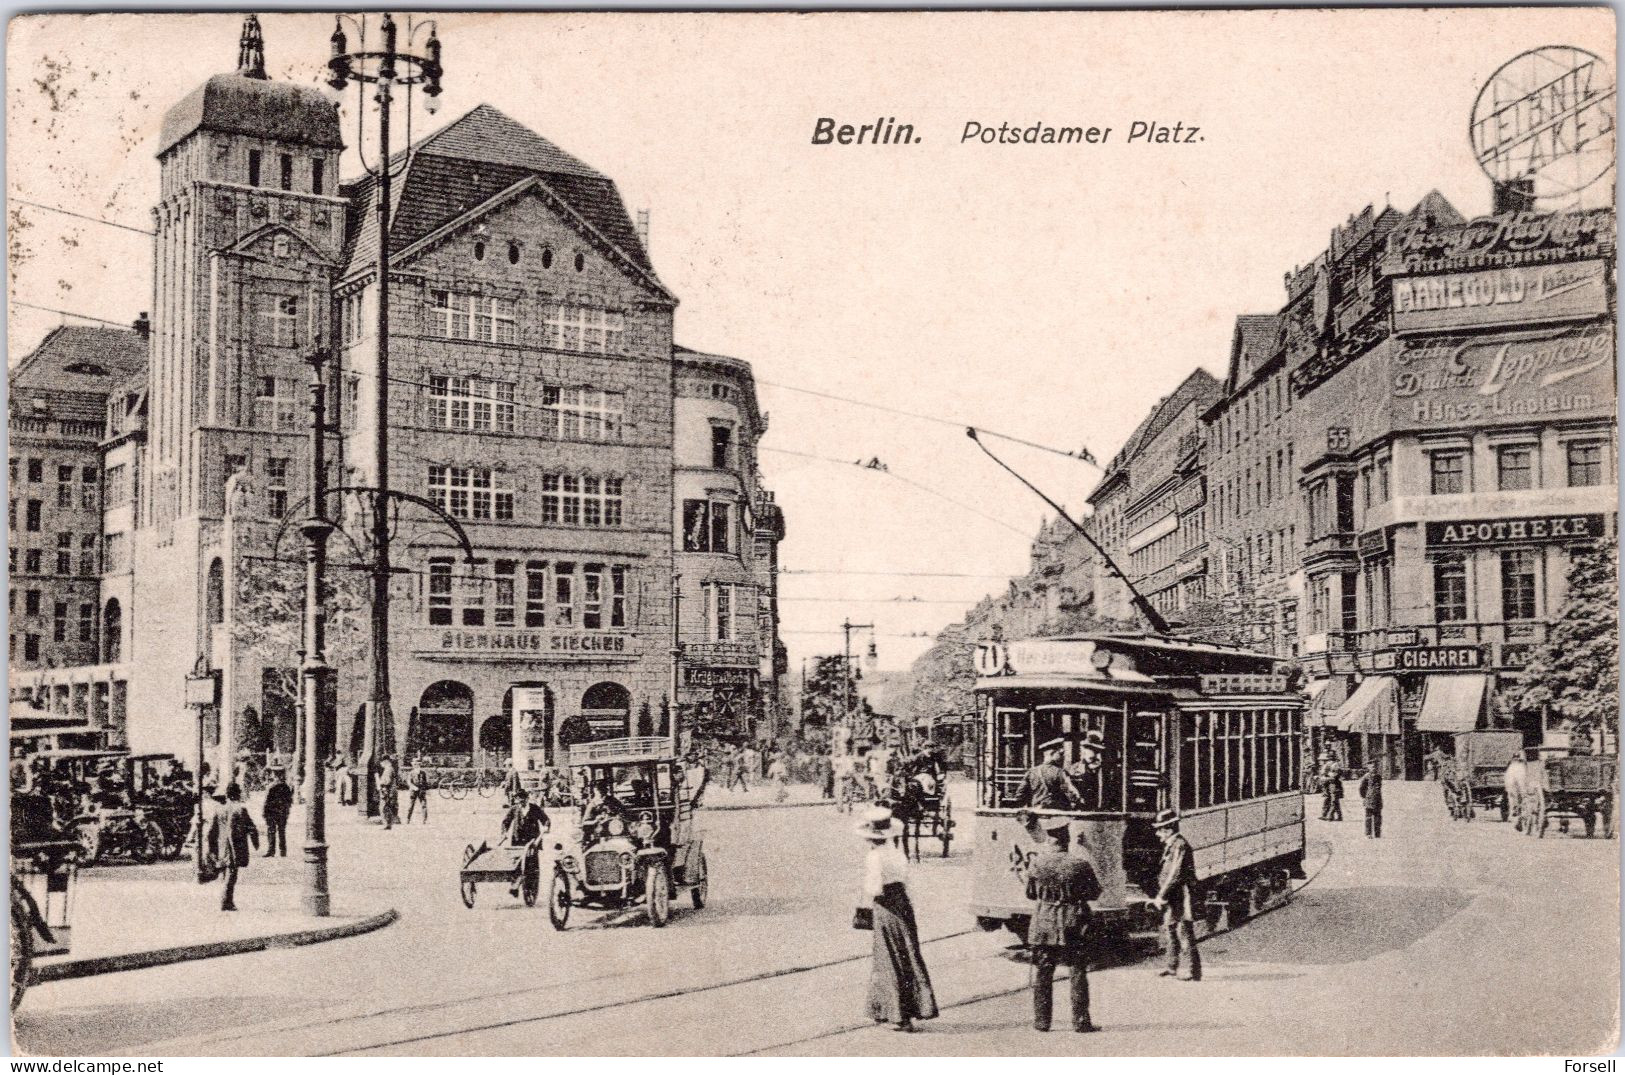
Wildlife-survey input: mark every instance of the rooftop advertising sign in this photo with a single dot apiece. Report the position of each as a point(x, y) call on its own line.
point(1508, 378)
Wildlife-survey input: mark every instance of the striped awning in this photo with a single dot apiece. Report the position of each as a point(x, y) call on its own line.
point(1325, 695)
point(1451, 704)
point(1373, 708)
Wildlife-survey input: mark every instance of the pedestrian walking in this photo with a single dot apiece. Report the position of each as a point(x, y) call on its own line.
point(753, 763)
point(1371, 792)
point(511, 785)
point(388, 786)
point(1331, 788)
point(1062, 884)
point(231, 831)
point(278, 805)
point(417, 786)
point(899, 985)
point(738, 764)
point(1176, 898)
point(335, 772)
point(779, 774)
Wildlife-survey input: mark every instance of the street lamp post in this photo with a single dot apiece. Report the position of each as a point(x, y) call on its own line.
point(385, 68)
point(314, 671)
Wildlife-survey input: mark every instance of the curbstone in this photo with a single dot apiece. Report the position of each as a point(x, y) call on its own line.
point(85, 968)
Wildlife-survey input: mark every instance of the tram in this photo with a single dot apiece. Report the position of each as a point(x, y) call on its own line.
point(1213, 731)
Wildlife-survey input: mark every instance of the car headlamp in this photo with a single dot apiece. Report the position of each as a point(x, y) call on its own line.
point(616, 826)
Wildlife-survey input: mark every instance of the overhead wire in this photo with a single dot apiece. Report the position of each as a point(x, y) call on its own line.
point(81, 216)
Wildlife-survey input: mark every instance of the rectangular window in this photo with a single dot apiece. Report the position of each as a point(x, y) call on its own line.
point(463, 316)
point(577, 413)
point(1351, 608)
point(59, 622)
point(318, 169)
point(1449, 590)
point(118, 489)
point(278, 320)
point(440, 592)
point(617, 597)
point(1585, 463)
point(36, 470)
point(568, 500)
point(89, 495)
point(472, 593)
point(564, 604)
point(31, 647)
point(1382, 492)
point(276, 486)
point(572, 327)
point(471, 493)
point(31, 603)
point(1515, 468)
point(87, 622)
point(706, 526)
point(1449, 472)
point(1519, 570)
point(253, 167)
point(115, 552)
point(64, 554)
point(35, 507)
point(276, 405)
point(87, 554)
point(64, 487)
point(722, 609)
point(535, 594)
point(721, 442)
point(471, 403)
point(502, 593)
point(592, 596)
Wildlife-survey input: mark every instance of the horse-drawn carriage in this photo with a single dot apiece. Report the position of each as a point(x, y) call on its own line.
point(1556, 786)
point(918, 797)
point(1477, 779)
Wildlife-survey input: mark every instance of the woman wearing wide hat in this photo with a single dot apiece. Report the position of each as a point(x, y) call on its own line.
point(899, 985)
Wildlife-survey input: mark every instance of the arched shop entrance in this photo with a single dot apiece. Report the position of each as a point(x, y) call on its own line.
point(446, 719)
point(607, 708)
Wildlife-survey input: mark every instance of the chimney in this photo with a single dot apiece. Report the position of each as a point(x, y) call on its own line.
point(142, 326)
point(643, 229)
point(1515, 196)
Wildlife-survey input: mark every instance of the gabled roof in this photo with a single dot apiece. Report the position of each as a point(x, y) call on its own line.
point(75, 368)
point(472, 160)
point(1201, 388)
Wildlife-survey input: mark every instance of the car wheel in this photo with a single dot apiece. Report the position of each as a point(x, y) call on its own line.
point(702, 887)
point(529, 887)
point(466, 890)
point(558, 901)
point(658, 895)
point(22, 951)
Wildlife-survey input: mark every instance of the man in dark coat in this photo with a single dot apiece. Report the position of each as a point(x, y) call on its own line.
point(1331, 787)
point(1046, 785)
point(1371, 792)
point(231, 831)
point(1176, 898)
point(1063, 885)
point(417, 786)
point(278, 805)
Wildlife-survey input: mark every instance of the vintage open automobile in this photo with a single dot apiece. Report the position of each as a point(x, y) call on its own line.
point(638, 843)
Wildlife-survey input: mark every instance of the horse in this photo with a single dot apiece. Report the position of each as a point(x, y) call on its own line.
point(1516, 787)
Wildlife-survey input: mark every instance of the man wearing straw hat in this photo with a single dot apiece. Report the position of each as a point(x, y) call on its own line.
point(1062, 885)
point(1176, 897)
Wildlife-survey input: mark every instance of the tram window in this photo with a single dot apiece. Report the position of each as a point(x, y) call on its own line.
point(1188, 728)
point(1236, 756)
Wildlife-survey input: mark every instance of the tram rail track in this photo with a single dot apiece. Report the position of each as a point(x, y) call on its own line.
point(1124, 960)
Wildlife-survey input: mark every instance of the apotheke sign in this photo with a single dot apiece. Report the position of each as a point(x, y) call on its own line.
point(1520, 295)
point(1465, 533)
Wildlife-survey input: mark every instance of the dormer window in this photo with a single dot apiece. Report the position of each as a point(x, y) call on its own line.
point(317, 169)
point(287, 172)
point(253, 167)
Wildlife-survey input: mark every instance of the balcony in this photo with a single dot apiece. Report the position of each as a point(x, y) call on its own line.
point(1338, 546)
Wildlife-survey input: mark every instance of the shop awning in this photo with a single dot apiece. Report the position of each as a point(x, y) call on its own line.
point(1373, 708)
point(1325, 695)
point(1451, 704)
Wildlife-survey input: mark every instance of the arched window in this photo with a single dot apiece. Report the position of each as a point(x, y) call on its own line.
point(215, 595)
point(112, 632)
point(607, 707)
point(446, 719)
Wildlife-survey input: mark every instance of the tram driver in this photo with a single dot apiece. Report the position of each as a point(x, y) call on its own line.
point(1046, 785)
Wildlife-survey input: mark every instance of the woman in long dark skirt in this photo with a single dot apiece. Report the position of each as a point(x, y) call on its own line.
point(899, 985)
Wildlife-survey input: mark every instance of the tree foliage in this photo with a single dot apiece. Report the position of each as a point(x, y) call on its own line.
point(268, 616)
point(1574, 674)
point(824, 696)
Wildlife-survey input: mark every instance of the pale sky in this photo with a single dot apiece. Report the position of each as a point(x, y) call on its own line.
point(1053, 292)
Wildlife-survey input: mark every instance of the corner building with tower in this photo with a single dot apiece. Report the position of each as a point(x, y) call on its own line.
point(532, 390)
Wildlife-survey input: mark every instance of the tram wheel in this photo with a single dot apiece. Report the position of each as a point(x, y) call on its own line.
point(466, 890)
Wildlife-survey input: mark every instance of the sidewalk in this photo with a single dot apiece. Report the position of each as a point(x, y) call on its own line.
point(129, 917)
point(762, 794)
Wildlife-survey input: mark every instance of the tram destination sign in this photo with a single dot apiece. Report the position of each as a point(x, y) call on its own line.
point(1430, 659)
point(1465, 533)
point(1242, 683)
